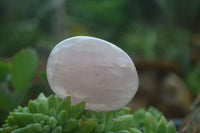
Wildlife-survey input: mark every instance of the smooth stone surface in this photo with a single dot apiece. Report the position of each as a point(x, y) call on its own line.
point(94, 71)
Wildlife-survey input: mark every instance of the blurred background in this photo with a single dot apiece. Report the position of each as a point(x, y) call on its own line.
point(161, 36)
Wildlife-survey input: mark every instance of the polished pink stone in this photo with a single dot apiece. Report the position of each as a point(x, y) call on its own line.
point(94, 71)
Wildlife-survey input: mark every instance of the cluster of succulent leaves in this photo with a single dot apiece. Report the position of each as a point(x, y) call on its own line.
point(53, 115)
point(15, 79)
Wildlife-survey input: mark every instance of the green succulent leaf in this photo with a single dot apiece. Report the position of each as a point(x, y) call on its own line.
point(52, 103)
point(88, 126)
point(109, 121)
point(52, 122)
point(122, 122)
point(62, 117)
point(65, 104)
point(33, 106)
point(171, 128)
point(138, 118)
point(134, 130)
point(150, 122)
point(99, 128)
point(77, 110)
point(70, 125)
point(57, 130)
point(23, 119)
point(122, 131)
point(161, 127)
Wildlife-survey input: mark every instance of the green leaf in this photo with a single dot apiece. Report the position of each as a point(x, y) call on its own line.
point(52, 122)
point(38, 127)
point(65, 104)
point(101, 116)
point(138, 118)
point(57, 130)
point(171, 128)
point(70, 125)
point(37, 118)
point(43, 108)
point(8, 101)
point(43, 105)
point(33, 106)
point(41, 98)
point(52, 112)
point(46, 128)
point(77, 110)
point(23, 119)
point(11, 120)
point(52, 102)
point(4, 70)
point(88, 126)
point(109, 132)
point(134, 130)
point(150, 122)
point(123, 131)
point(155, 113)
point(27, 129)
point(161, 127)
point(23, 69)
point(99, 128)
point(122, 122)
point(62, 117)
point(8, 129)
point(109, 121)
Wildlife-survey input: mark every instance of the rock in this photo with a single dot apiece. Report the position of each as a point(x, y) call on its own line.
point(94, 71)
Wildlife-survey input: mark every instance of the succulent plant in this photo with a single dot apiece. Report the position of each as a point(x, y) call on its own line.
point(53, 115)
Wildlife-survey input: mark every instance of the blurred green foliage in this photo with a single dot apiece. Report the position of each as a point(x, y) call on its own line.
point(179, 12)
point(193, 79)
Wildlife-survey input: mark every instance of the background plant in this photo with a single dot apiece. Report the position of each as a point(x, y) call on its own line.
point(15, 80)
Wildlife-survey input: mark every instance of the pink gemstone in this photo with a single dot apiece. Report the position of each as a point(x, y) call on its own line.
point(94, 71)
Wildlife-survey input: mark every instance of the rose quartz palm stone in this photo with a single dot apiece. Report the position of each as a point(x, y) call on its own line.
point(94, 71)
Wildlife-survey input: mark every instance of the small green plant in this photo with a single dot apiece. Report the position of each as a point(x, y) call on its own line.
point(15, 79)
point(53, 115)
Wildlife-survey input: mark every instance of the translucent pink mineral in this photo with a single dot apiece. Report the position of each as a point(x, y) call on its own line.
point(94, 71)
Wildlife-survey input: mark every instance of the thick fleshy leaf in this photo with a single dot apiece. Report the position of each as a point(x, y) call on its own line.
point(161, 127)
point(62, 117)
point(77, 110)
point(88, 126)
point(109, 121)
point(171, 128)
point(23, 119)
point(122, 122)
point(33, 106)
point(150, 122)
point(70, 125)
